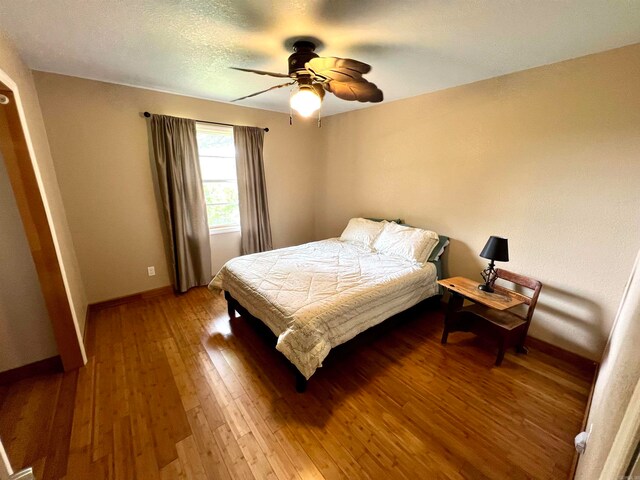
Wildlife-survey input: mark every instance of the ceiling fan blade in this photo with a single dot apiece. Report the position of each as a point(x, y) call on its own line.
point(263, 91)
point(261, 72)
point(319, 89)
point(339, 69)
point(362, 91)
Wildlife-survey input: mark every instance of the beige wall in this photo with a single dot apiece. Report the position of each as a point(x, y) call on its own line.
point(548, 157)
point(224, 247)
point(100, 148)
point(26, 334)
point(18, 77)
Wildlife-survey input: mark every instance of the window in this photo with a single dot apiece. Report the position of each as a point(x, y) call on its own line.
point(218, 168)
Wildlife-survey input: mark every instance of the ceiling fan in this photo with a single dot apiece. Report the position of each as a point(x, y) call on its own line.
point(314, 74)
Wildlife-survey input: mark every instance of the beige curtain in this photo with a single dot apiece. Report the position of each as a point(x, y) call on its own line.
point(255, 226)
point(175, 151)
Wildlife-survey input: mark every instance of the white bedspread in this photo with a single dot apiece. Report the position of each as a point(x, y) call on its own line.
point(318, 295)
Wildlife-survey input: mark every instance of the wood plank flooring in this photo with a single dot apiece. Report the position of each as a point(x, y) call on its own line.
point(174, 390)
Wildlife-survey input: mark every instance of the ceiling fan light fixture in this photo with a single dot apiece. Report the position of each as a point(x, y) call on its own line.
point(305, 101)
point(313, 75)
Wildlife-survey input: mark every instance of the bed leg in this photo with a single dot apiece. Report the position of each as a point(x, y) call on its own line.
point(301, 383)
point(231, 306)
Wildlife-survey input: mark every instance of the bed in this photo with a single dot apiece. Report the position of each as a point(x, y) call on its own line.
point(319, 295)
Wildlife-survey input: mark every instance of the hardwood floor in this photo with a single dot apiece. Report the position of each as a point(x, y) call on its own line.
point(174, 390)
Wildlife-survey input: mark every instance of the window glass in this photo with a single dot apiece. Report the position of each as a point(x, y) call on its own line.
point(219, 178)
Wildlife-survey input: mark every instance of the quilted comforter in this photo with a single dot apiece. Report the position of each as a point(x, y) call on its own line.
point(319, 295)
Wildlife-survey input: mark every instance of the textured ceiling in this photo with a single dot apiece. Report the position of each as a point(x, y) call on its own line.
point(185, 46)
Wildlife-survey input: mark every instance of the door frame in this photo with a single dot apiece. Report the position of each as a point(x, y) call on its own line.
point(28, 189)
point(5, 467)
point(621, 459)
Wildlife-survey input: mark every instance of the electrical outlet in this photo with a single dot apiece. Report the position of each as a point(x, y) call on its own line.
point(151, 271)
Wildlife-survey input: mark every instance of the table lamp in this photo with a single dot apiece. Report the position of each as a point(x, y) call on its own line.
point(496, 249)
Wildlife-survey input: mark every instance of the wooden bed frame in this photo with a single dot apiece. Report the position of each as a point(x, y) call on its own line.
point(234, 306)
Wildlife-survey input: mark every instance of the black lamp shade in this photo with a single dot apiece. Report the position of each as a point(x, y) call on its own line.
point(497, 249)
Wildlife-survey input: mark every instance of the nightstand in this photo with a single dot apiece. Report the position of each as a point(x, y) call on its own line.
point(488, 314)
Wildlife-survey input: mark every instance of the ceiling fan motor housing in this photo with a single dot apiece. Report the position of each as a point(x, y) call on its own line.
point(303, 52)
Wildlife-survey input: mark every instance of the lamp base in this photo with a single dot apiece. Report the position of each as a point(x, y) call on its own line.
point(485, 288)
point(489, 276)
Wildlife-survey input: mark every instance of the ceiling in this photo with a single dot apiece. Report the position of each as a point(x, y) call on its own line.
point(185, 46)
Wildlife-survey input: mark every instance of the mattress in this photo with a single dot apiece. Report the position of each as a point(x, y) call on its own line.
point(319, 295)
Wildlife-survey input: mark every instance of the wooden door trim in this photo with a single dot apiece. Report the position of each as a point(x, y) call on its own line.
point(5, 467)
point(26, 187)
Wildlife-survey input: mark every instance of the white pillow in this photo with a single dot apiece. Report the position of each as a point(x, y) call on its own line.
point(413, 244)
point(362, 231)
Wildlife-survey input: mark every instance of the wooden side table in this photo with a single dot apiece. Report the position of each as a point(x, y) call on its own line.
point(462, 288)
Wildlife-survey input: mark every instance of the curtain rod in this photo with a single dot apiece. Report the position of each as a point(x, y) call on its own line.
point(266, 129)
